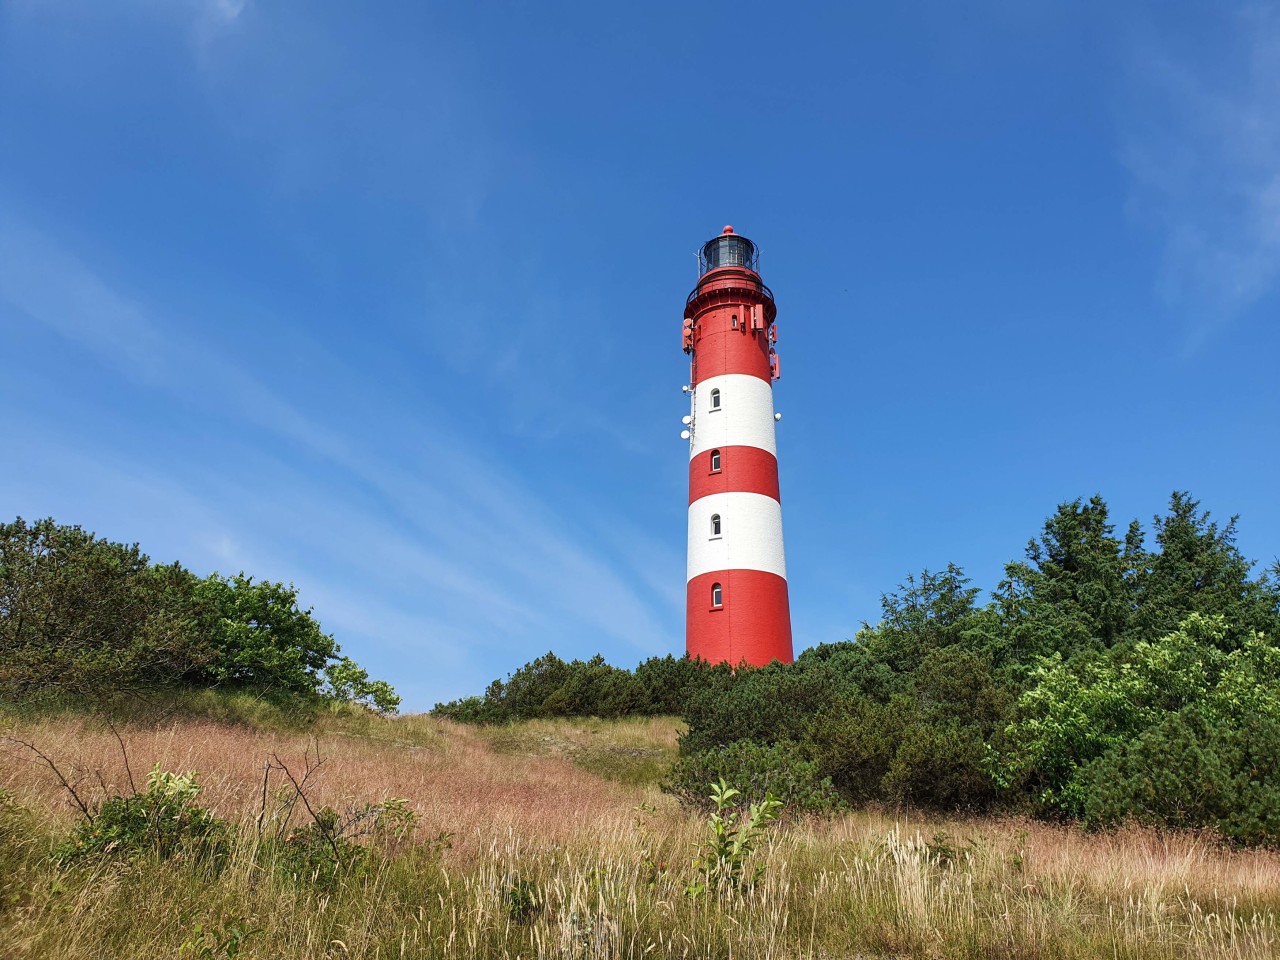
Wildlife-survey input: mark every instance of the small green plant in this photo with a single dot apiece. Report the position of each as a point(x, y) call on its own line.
point(942, 850)
point(163, 821)
point(7, 806)
point(521, 899)
point(734, 836)
point(393, 821)
point(206, 945)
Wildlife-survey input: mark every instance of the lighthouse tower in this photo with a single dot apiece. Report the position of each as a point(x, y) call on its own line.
point(737, 607)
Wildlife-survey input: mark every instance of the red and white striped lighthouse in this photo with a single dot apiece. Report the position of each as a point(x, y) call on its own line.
point(737, 607)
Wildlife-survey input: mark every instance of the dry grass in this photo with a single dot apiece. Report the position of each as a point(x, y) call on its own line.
point(632, 751)
point(603, 862)
point(457, 783)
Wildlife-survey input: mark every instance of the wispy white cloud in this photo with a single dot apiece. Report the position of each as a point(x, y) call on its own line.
point(319, 113)
point(444, 550)
point(228, 9)
point(1203, 146)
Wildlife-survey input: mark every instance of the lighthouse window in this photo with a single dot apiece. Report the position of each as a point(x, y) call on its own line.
point(715, 461)
point(717, 595)
point(715, 399)
point(715, 524)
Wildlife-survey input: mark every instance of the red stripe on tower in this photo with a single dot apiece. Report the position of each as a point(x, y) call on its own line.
point(737, 606)
point(725, 469)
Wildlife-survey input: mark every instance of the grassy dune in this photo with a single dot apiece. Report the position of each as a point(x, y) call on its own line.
point(559, 844)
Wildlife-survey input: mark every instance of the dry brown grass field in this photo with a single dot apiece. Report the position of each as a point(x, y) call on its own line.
point(558, 843)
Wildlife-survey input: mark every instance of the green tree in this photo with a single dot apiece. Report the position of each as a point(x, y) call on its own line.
point(1074, 591)
point(262, 637)
point(1199, 569)
point(926, 613)
point(85, 616)
point(348, 682)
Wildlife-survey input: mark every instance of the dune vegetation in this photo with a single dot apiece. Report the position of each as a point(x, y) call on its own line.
point(548, 838)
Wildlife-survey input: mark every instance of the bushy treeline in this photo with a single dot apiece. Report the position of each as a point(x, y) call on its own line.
point(551, 687)
point(1105, 678)
point(81, 616)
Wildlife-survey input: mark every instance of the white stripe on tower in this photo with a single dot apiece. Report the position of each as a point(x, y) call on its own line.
point(744, 417)
point(750, 536)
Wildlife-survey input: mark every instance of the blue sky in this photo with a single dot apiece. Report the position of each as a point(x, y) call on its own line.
point(385, 299)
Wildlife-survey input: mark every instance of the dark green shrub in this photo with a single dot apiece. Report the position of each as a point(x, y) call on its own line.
point(757, 771)
point(466, 710)
point(596, 689)
point(939, 765)
point(939, 732)
point(318, 853)
point(668, 683)
point(765, 705)
point(334, 845)
point(164, 821)
point(551, 687)
point(853, 740)
point(1190, 771)
point(85, 616)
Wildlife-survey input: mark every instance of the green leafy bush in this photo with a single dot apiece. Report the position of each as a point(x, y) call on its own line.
point(346, 682)
point(319, 853)
point(773, 770)
point(262, 637)
point(163, 821)
point(1123, 706)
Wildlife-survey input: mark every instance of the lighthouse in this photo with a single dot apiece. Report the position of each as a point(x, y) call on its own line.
point(737, 607)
